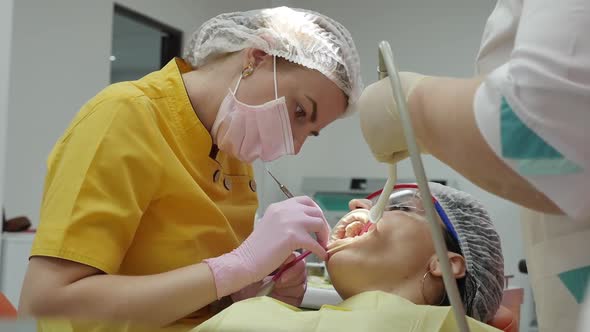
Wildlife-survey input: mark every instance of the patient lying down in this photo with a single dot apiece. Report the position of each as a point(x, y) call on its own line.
point(389, 276)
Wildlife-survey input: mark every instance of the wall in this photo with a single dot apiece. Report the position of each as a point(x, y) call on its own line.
point(60, 55)
point(6, 8)
point(435, 37)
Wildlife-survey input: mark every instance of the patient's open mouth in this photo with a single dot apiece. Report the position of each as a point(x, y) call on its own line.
point(353, 227)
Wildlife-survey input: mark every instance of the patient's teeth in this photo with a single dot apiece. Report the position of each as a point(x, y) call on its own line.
point(354, 229)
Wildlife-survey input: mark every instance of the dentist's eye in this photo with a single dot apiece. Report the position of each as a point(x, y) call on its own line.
point(300, 112)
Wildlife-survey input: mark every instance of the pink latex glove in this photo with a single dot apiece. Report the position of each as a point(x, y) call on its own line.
point(289, 288)
point(285, 227)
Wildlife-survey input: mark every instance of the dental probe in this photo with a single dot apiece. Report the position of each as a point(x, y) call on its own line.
point(267, 289)
point(281, 186)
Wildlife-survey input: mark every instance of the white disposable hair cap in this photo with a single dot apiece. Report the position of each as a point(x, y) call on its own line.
point(481, 247)
point(301, 36)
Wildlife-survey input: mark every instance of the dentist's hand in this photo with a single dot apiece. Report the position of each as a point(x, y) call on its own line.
point(289, 288)
point(291, 285)
point(285, 227)
point(380, 119)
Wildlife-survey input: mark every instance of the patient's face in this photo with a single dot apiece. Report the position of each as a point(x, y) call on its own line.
point(396, 250)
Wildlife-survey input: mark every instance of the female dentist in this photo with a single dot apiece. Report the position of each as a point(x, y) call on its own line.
point(519, 130)
point(149, 199)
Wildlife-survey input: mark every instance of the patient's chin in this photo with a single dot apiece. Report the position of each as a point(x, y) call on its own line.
point(342, 266)
point(337, 264)
point(341, 285)
point(342, 276)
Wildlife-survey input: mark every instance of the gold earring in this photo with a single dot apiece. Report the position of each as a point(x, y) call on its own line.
point(424, 295)
point(248, 70)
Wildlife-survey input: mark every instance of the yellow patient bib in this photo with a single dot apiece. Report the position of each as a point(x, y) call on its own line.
point(134, 188)
point(370, 311)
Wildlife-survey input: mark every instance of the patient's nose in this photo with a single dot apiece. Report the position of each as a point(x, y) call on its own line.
point(360, 204)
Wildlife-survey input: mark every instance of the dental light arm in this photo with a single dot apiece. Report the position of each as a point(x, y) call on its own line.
point(387, 68)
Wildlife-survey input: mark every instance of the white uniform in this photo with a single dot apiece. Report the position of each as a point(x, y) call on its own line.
point(533, 110)
point(540, 79)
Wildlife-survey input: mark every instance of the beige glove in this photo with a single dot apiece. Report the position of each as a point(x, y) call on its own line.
point(380, 120)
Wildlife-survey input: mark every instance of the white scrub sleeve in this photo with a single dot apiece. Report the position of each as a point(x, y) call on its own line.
point(534, 111)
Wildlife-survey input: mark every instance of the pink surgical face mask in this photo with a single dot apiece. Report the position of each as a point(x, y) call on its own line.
point(254, 132)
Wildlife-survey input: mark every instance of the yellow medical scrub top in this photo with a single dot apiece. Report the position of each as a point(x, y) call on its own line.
point(369, 311)
point(134, 187)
